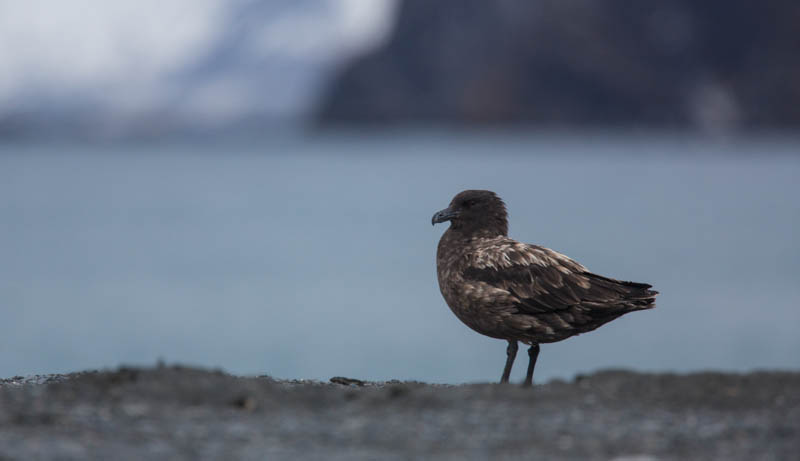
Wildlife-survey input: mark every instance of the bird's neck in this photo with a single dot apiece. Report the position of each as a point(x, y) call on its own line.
point(461, 234)
point(488, 227)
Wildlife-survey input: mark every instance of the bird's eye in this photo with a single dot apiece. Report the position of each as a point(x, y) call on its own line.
point(470, 203)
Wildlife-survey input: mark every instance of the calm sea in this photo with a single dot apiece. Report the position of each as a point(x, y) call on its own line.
point(310, 257)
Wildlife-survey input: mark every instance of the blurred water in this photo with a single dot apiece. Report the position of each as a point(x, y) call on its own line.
point(314, 257)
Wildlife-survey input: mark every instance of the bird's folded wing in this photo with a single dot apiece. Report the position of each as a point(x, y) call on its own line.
point(542, 280)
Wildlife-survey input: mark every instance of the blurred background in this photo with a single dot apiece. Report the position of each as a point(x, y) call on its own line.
point(248, 184)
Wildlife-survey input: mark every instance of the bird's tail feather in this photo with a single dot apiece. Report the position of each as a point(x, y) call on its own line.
point(635, 296)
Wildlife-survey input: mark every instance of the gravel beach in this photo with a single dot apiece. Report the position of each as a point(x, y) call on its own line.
point(173, 412)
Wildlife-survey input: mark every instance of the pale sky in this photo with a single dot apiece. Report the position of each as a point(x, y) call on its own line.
point(121, 52)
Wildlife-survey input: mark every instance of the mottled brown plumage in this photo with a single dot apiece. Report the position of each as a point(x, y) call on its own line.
point(519, 292)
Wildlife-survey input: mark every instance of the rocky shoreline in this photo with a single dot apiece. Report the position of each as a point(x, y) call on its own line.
point(187, 413)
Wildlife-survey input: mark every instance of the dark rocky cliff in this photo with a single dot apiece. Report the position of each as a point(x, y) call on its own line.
point(715, 64)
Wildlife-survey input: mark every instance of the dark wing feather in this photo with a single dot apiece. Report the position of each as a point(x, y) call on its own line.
point(553, 282)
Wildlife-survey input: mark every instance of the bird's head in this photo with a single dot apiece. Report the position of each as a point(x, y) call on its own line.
point(475, 211)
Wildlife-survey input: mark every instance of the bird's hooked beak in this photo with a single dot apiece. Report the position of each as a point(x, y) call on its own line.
point(444, 215)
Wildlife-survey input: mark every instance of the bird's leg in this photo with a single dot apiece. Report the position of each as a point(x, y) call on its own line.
point(533, 354)
point(511, 354)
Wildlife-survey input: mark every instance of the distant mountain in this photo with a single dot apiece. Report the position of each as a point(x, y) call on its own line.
point(711, 64)
point(146, 68)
